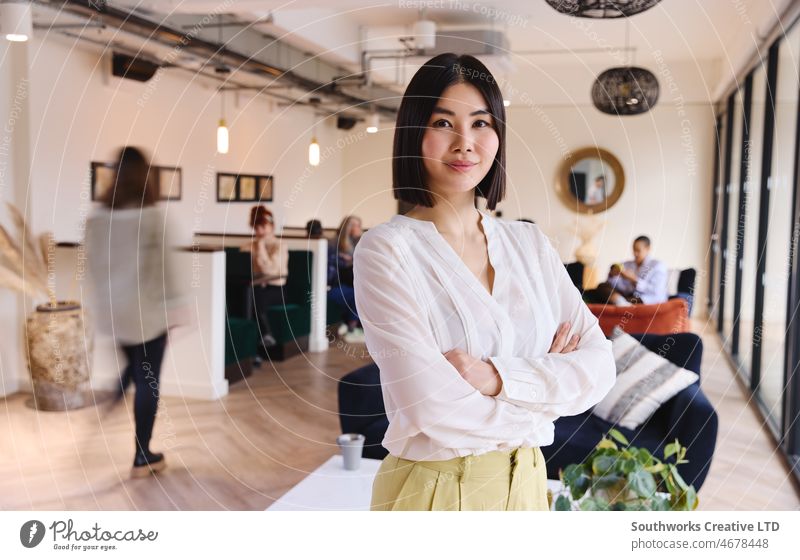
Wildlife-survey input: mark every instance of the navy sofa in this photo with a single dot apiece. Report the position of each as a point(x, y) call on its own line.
point(688, 416)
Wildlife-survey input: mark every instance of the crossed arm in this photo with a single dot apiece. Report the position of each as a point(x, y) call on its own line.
point(457, 399)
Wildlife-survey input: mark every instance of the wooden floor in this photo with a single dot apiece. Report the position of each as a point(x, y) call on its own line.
point(244, 451)
point(747, 472)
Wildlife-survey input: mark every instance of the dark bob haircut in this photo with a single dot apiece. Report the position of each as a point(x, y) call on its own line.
point(134, 181)
point(426, 87)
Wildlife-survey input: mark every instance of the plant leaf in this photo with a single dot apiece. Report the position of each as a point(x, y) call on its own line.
point(576, 481)
point(594, 504)
point(604, 464)
point(660, 504)
point(617, 435)
point(656, 468)
point(563, 503)
point(628, 466)
point(642, 483)
point(691, 499)
point(606, 481)
point(606, 443)
point(678, 478)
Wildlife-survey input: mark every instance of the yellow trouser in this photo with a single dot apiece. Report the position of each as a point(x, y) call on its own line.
point(499, 480)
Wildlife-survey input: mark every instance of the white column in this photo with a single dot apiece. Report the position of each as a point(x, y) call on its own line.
point(15, 157)
point(317, 340)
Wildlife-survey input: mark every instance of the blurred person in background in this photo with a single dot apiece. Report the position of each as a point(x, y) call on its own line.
point(270, 260)
point(130, 255)
point(340, 277)
point(314, 229)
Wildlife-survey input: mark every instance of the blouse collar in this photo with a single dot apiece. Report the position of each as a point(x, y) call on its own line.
point(426, 226)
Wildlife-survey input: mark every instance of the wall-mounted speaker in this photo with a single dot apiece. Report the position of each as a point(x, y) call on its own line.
point(345, 123)
point(132, 68)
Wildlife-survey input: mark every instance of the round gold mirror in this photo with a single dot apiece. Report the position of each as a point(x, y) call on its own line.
point(590, 180)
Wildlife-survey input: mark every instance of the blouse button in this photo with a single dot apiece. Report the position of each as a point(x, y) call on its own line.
point(533, 392)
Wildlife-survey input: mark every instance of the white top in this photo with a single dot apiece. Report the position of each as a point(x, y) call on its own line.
point(417, 299)
point(651, 283)
point(130, 256)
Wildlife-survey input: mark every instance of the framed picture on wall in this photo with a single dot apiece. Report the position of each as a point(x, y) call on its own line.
point(265, 184)
point(168, 180)
point(226, 187)
point(232, 187)
point(102, 179)
point(169, 183)
point(247, 188)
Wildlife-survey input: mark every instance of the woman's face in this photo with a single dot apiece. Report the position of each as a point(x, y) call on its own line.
point(460, 143)
point(264, 229)
point(355, 228)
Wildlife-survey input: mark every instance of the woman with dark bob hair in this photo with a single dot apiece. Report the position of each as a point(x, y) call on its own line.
point(481, 338)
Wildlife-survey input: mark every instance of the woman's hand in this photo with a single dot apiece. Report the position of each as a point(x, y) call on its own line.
point(562, 345)
point(481, 375)
point(273, 247)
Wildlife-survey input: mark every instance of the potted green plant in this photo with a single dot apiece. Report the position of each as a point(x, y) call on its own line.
point(618, 477)
point(59, 350)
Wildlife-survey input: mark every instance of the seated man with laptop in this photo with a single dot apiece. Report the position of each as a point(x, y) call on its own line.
point(641, 280)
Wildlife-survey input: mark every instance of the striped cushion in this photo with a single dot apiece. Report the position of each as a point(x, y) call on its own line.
point(645, 381)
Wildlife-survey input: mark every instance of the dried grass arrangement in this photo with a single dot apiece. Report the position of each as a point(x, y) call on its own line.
point(59, 350)
point(24, 261)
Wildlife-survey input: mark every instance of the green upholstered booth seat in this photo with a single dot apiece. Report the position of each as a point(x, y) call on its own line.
point(289, 322)
point(241, 346)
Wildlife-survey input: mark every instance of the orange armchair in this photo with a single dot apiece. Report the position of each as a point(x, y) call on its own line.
point(659, 318)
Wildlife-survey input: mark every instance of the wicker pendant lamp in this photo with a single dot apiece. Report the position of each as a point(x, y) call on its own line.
point(602, 9)
point(625, 90)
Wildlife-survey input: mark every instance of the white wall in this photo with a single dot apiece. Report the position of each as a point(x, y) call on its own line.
point(667, 156)
point(82, 114)
point(72, 111)
point(14, 157)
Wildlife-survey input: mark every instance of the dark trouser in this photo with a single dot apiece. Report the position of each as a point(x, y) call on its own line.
point(144, 369)
point(263, 298)
point(603, 292)
point(345, 297)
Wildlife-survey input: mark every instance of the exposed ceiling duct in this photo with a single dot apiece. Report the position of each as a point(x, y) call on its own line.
point(270, 65)
point(476, 42)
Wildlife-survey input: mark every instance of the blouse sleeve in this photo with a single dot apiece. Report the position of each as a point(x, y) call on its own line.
point(562, 384)
point(416, 378)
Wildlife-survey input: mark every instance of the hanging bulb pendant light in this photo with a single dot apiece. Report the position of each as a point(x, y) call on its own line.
point(373, 122)
point(313, 152)
point(16, 24)
point(223, 139)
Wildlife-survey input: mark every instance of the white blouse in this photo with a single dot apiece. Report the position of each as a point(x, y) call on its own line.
point(417, 299)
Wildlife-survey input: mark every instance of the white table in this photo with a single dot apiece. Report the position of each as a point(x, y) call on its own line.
point(332, 488)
